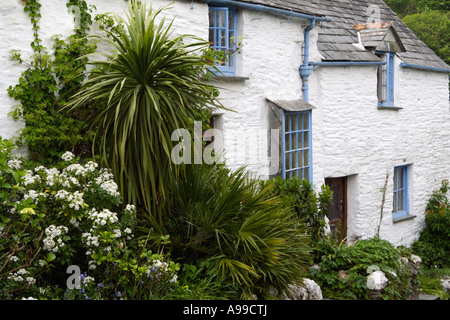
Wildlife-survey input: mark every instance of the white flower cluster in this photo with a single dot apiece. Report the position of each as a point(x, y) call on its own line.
point(53, 242)
point(76, 168)
point(67, 156)
point(15, 163)
point(29, 178)
point(130, 208)
point(19, 277)
point(74, 199)
point(110, 187)
point(107, 183)
point(34, 195)
point(52, 176)
point(90, 240)
point(157, 268)
point(103, 217)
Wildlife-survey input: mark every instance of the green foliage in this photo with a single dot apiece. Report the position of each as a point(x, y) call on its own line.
point(407, 7)
point(433, 245)
point(149, 87)
point(344, 268)
point(299, 195)
point(433, 28)
point(430, 282)
point(45, 85)
point(429, 20)
point(242, 231)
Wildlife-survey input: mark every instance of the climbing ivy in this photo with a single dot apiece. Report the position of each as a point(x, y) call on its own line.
point(47, 83)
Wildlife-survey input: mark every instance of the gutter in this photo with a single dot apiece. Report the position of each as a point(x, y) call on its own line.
point(419, 67)
point(263, 8)
point(346, 63)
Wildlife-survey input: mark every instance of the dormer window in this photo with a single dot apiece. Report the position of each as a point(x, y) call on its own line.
point(222, 37)
point(385, 88)
point(382, 39)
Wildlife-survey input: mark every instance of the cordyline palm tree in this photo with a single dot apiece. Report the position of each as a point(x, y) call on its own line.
point(142, 92)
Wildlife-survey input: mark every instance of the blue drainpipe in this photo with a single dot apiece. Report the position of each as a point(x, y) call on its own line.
point(305, 68)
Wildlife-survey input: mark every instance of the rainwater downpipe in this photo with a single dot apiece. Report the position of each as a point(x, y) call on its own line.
point(305, 68)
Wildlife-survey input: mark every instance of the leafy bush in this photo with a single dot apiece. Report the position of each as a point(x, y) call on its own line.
point(71, 215)
point(433, 245)
point(299, 195)
point(244, 234)
point(344, 268)
point(45, 86)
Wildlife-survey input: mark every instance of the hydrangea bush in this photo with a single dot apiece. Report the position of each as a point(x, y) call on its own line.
point(71, 215)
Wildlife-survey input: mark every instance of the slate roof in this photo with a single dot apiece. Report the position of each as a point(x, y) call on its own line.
point(336, 38)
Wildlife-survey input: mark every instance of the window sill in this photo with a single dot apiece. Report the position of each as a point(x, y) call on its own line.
point(382, 106)
point(228, 78)
point(403, 217)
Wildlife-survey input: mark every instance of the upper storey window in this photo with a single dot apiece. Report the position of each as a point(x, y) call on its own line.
point(386, 81)
point(222, 37)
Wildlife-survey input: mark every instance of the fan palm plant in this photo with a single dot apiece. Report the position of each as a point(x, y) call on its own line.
point(246, 234)
point(148, 87)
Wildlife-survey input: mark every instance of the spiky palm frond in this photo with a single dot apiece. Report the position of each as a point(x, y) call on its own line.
point(148, 87)
point(245, 232)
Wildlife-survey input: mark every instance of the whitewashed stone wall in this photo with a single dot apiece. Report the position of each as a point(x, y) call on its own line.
point(270, 56)
point(16, 33)
point(351, 137)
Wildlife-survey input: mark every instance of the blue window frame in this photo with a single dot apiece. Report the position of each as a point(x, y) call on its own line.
point(222, 36)
point(297, 141)
point(401, 201)
point(386, 80)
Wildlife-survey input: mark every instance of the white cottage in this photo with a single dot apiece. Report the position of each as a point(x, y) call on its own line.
point(337, 92)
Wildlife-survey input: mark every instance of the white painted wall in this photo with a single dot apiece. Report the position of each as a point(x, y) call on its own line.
point(351, 137)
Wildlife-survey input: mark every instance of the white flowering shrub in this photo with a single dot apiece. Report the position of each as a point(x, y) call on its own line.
point(70, 214)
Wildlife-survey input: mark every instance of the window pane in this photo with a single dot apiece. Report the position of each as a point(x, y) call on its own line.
point(221, 18)
point(295, 159)
point(288, 142)
point(231, 21)
point(288, 161)
point(395, 179)
point(395, 202)
point(287, 126)
point(288, 175)
point(295, 122)
point(305, 140)
point(211, 37)
point(400, 178)
point(211, 18)
point(222, 38)
point(306, 173)
point(305, 122)
point(400, 201)
point(306, 163)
